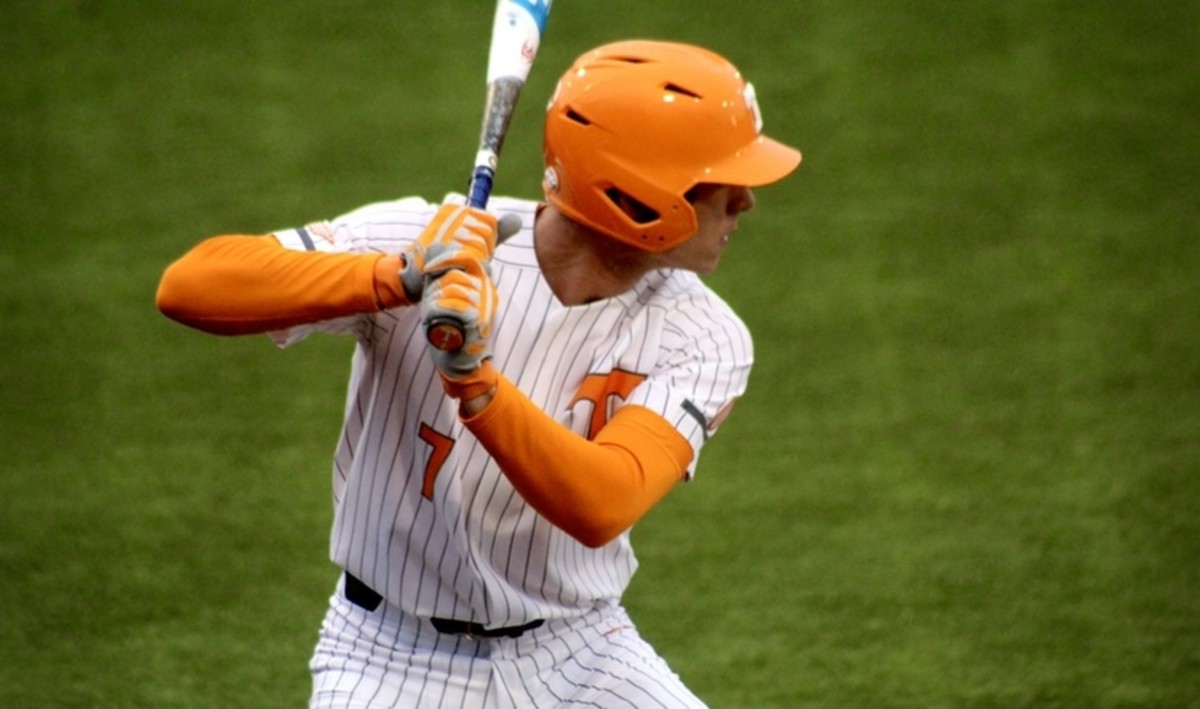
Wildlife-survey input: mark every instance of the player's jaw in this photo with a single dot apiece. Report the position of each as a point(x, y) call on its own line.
point(717, 210)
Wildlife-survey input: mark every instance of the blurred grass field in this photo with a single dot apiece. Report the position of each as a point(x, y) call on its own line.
point(967, 472)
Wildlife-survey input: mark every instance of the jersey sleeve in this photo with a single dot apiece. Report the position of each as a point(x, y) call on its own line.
point(382, 227)
point(705, 356)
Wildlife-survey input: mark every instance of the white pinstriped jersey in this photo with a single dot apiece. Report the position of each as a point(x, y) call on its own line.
point(423, 514)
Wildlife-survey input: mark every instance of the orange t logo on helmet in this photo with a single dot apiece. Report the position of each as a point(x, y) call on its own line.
point(639, 123)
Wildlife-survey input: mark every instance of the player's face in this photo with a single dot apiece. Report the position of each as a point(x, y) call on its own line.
point(717, 209)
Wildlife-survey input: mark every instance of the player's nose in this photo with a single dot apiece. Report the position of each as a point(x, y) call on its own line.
point(741, 199)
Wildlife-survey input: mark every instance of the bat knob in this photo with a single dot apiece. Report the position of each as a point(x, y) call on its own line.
point(444, 334)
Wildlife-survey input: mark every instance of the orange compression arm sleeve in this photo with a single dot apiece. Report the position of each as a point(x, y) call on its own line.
point(240, 285)
point(592, 490)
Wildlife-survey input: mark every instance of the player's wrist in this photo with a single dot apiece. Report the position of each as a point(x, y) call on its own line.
point(390, 289)
point(474, 390)
point(470, 408)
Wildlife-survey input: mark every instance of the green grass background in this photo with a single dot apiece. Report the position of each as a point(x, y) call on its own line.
point(965, 474)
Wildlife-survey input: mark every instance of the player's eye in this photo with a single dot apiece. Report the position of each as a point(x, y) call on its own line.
point(701, 192)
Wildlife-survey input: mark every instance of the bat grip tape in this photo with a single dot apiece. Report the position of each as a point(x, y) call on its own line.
point(481, 187)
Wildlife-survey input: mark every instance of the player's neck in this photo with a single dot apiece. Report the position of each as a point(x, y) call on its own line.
point(582, 266)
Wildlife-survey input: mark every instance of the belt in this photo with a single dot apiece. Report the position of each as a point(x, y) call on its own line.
point(361, 595)
point(475, 630)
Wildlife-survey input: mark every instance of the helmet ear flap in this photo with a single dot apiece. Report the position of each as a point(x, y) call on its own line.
point(643, 223)
point(655, 220)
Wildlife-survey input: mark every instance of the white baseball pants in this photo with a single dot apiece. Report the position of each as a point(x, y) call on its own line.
point(385, 658)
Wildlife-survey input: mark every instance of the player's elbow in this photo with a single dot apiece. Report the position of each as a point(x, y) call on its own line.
point(596, 529)
point(595, 539)
point(203, 291)
point(174, 294)
point(181, 297)
point(186, 298)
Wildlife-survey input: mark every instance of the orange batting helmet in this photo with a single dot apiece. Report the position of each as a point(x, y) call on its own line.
point(645, 121)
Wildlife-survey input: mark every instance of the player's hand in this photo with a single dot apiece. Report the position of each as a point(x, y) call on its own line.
point(464, 292)
point(457, 235)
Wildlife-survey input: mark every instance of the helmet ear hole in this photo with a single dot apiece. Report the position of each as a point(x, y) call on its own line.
point(636, 211)
point(575, 116)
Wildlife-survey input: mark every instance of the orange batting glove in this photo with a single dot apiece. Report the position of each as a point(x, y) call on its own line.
point(466, 294)
point(457, 234)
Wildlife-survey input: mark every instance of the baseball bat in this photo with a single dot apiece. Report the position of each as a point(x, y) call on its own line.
point(516, 35)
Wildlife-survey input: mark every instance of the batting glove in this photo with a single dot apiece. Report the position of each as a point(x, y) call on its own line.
point(464, 293)
point(456, 236)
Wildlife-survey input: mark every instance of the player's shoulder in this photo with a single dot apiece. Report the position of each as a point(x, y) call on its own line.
point(518, 249)
point(685, 289)
point(421, 209)
point(383, 226)
point(525, 209)
point(411, 209)
point(694, 308)
point(388, 225)
point(500, 204)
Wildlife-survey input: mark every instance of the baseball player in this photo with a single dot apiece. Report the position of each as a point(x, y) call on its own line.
point(483, 497)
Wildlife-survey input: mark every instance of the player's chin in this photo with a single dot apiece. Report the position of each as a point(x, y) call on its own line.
point(701, 254)
point(710, 258)
point(707, 265)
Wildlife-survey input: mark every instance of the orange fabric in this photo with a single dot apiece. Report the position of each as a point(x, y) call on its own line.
point(389, 291)
point(592, 490)
point(239, 285)
point(478, 383)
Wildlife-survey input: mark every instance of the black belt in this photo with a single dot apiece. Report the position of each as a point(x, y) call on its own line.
point(361, 595)
point(475, 630)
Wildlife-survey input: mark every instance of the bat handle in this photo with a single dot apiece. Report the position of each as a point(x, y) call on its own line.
point(481, 186)
point(444, 332)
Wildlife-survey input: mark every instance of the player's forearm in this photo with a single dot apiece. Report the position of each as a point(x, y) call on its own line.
point(238, 285)
point(593, 490)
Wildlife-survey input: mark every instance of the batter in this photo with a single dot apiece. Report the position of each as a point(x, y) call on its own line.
point(483, 498)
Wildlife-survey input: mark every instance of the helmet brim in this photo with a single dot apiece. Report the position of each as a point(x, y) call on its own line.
point(763, 161)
